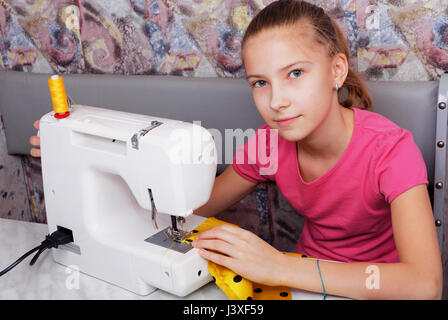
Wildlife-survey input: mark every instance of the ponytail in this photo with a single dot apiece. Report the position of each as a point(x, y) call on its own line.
point(356, 94)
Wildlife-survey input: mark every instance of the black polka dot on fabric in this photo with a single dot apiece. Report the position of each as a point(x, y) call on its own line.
point(237, 279)
point(283, 294)
point(249, 298)
point(258, 290)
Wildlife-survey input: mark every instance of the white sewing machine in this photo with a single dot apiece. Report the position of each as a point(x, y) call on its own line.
point(111, 177)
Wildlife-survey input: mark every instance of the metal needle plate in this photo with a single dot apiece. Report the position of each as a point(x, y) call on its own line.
point(161, 239)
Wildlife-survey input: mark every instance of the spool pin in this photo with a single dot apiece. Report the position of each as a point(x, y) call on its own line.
point(58, 96)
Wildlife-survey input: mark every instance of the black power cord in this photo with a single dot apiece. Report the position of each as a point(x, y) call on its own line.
point(57, 238)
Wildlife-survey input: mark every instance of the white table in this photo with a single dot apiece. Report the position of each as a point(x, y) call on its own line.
point(48, 280)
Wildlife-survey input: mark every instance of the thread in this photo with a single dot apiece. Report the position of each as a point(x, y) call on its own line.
point(58, 96)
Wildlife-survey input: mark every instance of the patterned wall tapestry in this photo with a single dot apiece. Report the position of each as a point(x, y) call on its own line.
point(389, 39)
point(401, 40)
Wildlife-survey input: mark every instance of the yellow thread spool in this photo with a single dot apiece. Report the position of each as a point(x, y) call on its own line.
point(58, 96)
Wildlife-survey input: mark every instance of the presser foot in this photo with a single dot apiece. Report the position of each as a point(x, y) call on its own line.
point(171, 239)
point(177, 235)
point(174, 233)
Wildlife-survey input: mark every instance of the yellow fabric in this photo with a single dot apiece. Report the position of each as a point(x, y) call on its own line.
point(232, 284)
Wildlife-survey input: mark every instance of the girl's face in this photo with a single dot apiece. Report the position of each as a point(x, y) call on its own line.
point(292, 77)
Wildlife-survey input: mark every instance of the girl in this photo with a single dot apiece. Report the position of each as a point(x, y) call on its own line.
point(358, 178)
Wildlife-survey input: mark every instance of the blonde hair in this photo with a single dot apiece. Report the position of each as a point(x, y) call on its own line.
point(327, 33)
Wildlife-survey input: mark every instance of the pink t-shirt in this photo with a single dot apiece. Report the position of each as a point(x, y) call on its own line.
point(347, 209)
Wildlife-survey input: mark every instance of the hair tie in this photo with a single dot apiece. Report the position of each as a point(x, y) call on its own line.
point(321, 280)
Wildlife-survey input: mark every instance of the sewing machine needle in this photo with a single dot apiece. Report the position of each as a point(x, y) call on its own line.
point(153, 210)
point(174, 222)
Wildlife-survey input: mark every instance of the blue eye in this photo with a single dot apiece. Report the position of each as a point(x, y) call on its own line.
point(295, 73)
point(259, 83)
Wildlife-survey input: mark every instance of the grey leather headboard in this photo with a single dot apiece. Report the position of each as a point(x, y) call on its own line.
point(219, 103)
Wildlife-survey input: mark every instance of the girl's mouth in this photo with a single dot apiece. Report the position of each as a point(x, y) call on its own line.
point(286, 122)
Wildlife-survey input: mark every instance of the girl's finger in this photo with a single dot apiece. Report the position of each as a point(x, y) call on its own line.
point(216, 246)
point(217, 258)
point(36, 124)
point(224, 227)
point(218, 233)
point(35, 152)
point(35, 141)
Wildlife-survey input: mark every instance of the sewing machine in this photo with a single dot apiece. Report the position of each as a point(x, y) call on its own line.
point(126, 186)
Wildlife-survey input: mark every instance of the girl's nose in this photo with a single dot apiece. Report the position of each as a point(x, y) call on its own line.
point(279, 99)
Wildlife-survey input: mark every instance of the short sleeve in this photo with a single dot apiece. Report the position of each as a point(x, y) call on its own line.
point(257, 159)
point(400, 165)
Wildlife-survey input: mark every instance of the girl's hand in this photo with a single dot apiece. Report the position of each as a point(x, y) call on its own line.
point(242, 252)
point(35, 141)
